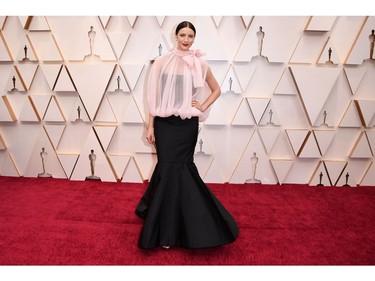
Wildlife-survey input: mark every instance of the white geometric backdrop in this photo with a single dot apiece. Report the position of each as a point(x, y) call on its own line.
point(322, 114)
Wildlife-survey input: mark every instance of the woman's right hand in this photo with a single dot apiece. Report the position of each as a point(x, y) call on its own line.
point(150, 137)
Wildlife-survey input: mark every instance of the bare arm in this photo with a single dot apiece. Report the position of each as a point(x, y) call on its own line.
point(215, 89)
point(150, 130)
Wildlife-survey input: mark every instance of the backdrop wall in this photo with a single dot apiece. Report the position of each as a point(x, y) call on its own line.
point(300, 98)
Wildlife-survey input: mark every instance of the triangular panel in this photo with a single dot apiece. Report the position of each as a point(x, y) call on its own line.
point(258, 107)
point(104, 20)
point(118, 82)
point(229, 143)
point(132, 114)
point(161, 48)
point(351, 117)
point(50, 72)
point(15, 102)
point(105, 112)
point(324, 139)
point(26, 53)
point(54, 132)
point(91, 43)
point(119, 103)
point(281, 168)
point(269, 137)
point(29, 113)
point(74, 137)
point(118, 40)
point(245, 73)
point(105, 134)
point(5, 55)
point(320, 23)
point(131, 173)
point(45, 46)
point(308, 48)
point(224, 109)
point(320, 176)
point(270, 116)
point(335, 170)
point(40, 102)
point(246, 169)
point(102, 167)
point(369, 177)
point(243, 116)
point(78, 112)
point(297, 138)
point(119, 163)
point(329, 55)
point(6, 111)
point(132, 20)
point(213, 51)
point(355, 77)
point(9, 167)
point(246, 20)
point(310, 148)
point(68, 162)
point(371, 140)
point(276, 49)
point(360, 50)
point(160, 20)
point(2, 143)
point(286, 85)
point(15, 83)
point(203, 147)
point(146, 164)
point(38, 23)
point(231, 83)
point(217, 20)
point(362, 148)
point(50, 161)
point(203, 163)
point(39, 84)
point(315, 85)
point(366, 111)
point(132, 73)
point(203, 155)
point(27, 72)
point(6, 82)
point(54, 113)
point(91, 93)
point(64, 82)
point(213, 174)
point(354, 172)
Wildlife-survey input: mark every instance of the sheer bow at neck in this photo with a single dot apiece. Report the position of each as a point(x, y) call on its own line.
point(191, 58)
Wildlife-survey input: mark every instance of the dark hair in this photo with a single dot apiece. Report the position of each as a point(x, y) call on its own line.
point(185, 24)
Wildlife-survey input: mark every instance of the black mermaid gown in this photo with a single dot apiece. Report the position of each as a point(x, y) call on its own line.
point(178, 208)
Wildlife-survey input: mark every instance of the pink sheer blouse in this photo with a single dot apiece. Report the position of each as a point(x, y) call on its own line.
point(175, 80)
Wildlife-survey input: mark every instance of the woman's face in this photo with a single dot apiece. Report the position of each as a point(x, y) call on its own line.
point(185, 38)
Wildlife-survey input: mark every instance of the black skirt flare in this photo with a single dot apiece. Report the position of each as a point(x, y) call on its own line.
point(178, 208)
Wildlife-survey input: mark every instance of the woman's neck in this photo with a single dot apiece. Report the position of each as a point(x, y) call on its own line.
point(181, 52)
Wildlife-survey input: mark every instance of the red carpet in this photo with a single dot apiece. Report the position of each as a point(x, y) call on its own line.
point(63, 222)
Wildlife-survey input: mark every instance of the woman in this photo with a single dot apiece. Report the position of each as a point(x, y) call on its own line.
point(178, 208)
